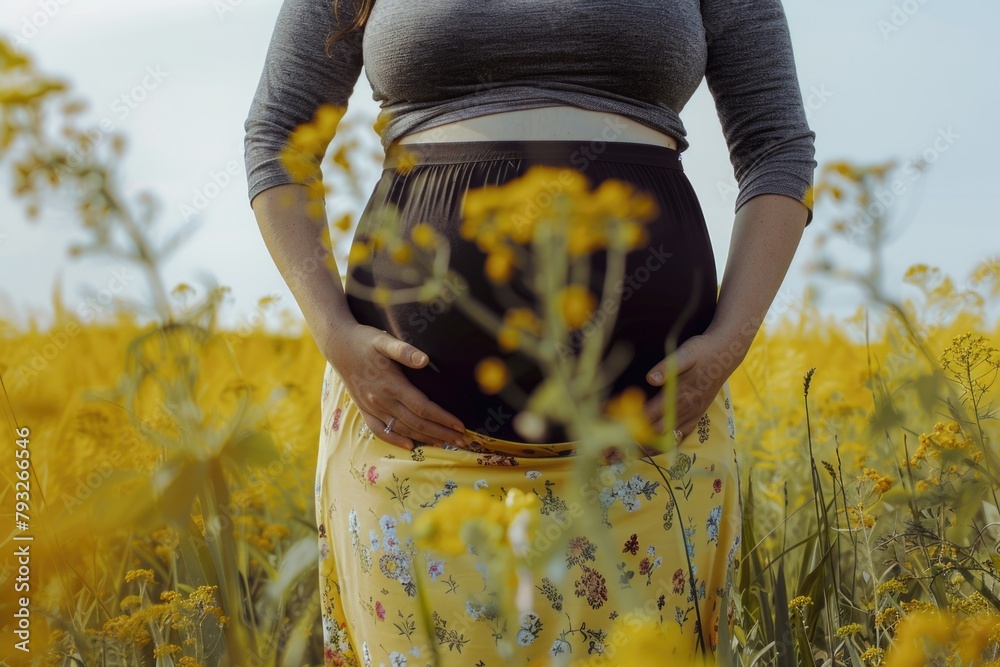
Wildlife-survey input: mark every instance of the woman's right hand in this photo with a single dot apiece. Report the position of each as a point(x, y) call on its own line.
point(366, 361)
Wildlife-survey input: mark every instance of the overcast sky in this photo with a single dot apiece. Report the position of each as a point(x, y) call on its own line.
point(881, 79)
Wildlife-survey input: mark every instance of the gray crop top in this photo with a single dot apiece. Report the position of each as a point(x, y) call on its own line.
point(431, 62)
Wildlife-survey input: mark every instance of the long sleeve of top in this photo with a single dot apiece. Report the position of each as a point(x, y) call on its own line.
point(431, 63)
point(752, 77)
point(297, 78)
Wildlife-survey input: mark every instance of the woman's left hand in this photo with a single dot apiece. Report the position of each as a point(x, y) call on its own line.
point(704, 363)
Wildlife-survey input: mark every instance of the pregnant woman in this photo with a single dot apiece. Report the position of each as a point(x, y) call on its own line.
point(475, 93)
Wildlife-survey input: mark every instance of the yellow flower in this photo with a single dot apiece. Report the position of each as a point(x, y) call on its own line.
point(130, 602)
point(516, 322)
point(144, 575)
point(849, 630)
point(340, 157)
point(941, 439)
point(517, 500)
point(797, 603)
point(639, 639)
point(381, 295)
point(975, 633)
point(907, 648)
point(166, 649)
point(523, 318)
point(327, 118)
point(891, 586)
point(402, 253)
point(444, 527)
point(408, 159)
point(492, 375)
point(170, 596)
point(882, 483)
point(379, 240)
point(844, 169)
point(611, 198)
point(381, 122)
point(488, 240)
point(857, 517)
point(873, 655)
point(910, 606)
point(343, 222)
point(423, 235)
point(508, 338)
point(633, 235)
point(809, 196)
point(183, 289)
point(477, 202)
point(307, 143)
point(500, 264)
point(316, 208)
point(644, 207)
point(557, 197)
point(359, 253)
point(628, 407)
point(516, 226)
point(887, 617)
point(576, 304)
point(583, 239)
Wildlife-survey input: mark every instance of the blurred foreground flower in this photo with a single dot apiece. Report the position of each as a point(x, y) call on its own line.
point(925, 636)
point(448, 526)
point(498, 534)
point(302, 153)
point(641, 640)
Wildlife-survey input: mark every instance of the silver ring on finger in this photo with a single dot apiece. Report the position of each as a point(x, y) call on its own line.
point(388, 427)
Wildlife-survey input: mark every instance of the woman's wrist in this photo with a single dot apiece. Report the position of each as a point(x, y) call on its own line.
point(766, 234)
point(293, 236)
point(730, 342)
point(333, 336)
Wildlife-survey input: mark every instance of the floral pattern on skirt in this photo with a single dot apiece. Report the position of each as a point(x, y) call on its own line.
point(368, 492)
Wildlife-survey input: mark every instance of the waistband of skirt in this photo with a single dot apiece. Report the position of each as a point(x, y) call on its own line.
point(573, 152)
point(485, 444)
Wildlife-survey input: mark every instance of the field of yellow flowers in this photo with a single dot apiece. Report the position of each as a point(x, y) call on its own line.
point(126, 576)
point(172, 462)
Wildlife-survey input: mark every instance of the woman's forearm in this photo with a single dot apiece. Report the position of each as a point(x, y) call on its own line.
point(766, 234)
point(293, 239)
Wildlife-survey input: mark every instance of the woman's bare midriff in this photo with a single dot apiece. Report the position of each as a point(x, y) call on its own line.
point(553, 123)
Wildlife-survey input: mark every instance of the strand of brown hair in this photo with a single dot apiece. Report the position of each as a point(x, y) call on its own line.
point(362, 10)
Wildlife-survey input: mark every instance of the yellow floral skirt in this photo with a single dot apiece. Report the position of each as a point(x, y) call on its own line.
point(676, 532)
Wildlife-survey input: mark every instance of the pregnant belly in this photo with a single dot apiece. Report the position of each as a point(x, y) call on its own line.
point(668, 286)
